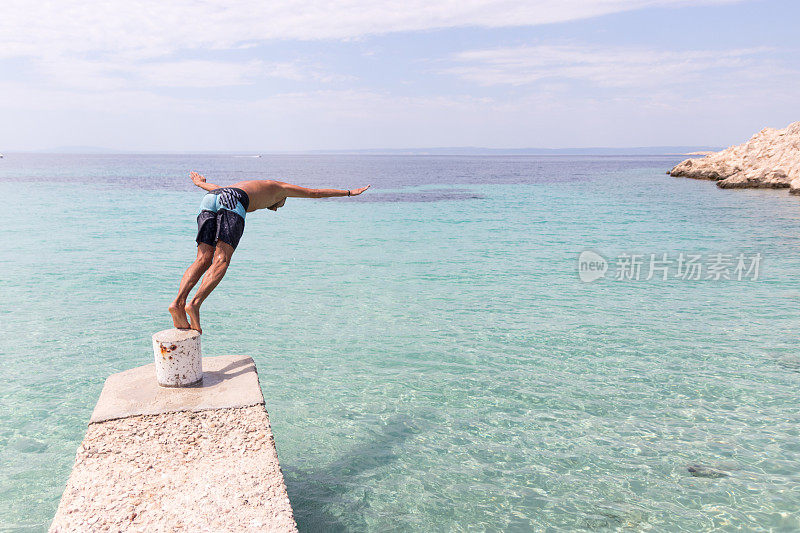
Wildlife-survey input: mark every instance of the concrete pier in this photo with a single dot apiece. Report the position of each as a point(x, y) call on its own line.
point(197, 458)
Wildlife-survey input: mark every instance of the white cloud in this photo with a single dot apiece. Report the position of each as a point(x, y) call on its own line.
point(142, 120)
point(106, 75)
point(136, 44)
point(618, 67)
point(198, 73)
point(155, 28)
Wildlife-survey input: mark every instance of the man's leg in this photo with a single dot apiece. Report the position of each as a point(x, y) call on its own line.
point(222, 258)
point(205, 254)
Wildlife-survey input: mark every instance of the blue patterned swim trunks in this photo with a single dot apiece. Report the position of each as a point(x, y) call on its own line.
point(221, 217)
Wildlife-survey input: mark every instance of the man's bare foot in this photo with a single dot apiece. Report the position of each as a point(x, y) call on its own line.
point(193, 310)
point(178, 316)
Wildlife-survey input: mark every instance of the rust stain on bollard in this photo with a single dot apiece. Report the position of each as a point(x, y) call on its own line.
point(165, 350)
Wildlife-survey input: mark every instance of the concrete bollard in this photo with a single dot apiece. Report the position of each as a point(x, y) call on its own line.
point(179, 360)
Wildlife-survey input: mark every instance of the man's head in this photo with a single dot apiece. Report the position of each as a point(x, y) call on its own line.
point(274, 207)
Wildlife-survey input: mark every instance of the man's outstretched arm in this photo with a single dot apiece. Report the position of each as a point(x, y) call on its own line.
point(200, 181)
point(295, 191)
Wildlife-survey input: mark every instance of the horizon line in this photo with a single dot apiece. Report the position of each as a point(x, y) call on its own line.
point(434, 150)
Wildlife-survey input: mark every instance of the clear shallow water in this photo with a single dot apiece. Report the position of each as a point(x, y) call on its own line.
point(429, 357)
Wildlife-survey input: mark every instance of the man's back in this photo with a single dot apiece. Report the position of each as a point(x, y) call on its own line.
point(262, 193)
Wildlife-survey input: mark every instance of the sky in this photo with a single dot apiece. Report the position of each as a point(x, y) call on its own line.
point(286, 75)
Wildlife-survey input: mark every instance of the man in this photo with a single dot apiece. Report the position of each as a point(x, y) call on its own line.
point(219, 227)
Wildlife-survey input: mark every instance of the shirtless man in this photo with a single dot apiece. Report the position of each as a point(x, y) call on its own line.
point(219, 227)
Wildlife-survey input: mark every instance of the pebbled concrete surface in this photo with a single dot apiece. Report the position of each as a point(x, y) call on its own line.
point(199, 458)
point(214, 470)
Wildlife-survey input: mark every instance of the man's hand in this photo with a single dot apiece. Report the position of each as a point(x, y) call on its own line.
point(356, 192)
point(200, 181)
point(197, 179)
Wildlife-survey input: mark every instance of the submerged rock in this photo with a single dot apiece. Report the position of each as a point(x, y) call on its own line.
point(790, 362)
point(27, 445)
point(706, 471)
point(770, 159)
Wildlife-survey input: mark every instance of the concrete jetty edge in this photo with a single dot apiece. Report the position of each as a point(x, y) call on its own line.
point(198, 458)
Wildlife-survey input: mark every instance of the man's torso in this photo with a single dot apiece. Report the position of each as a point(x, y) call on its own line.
point(262, 193)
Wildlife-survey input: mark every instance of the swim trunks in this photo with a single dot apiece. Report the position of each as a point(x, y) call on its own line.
point(221, 216)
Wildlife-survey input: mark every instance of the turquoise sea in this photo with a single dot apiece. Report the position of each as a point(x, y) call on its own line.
point(430, 358)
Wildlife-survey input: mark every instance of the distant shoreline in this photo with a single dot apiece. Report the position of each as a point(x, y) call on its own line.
point(455, 151)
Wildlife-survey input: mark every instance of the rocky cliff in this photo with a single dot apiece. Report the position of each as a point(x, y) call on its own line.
point(770, 159)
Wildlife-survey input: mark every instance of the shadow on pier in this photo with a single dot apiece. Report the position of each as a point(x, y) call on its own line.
point(338, 486)
point(230, 371)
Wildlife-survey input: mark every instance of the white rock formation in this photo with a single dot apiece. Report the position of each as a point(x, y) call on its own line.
point(770, 159)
